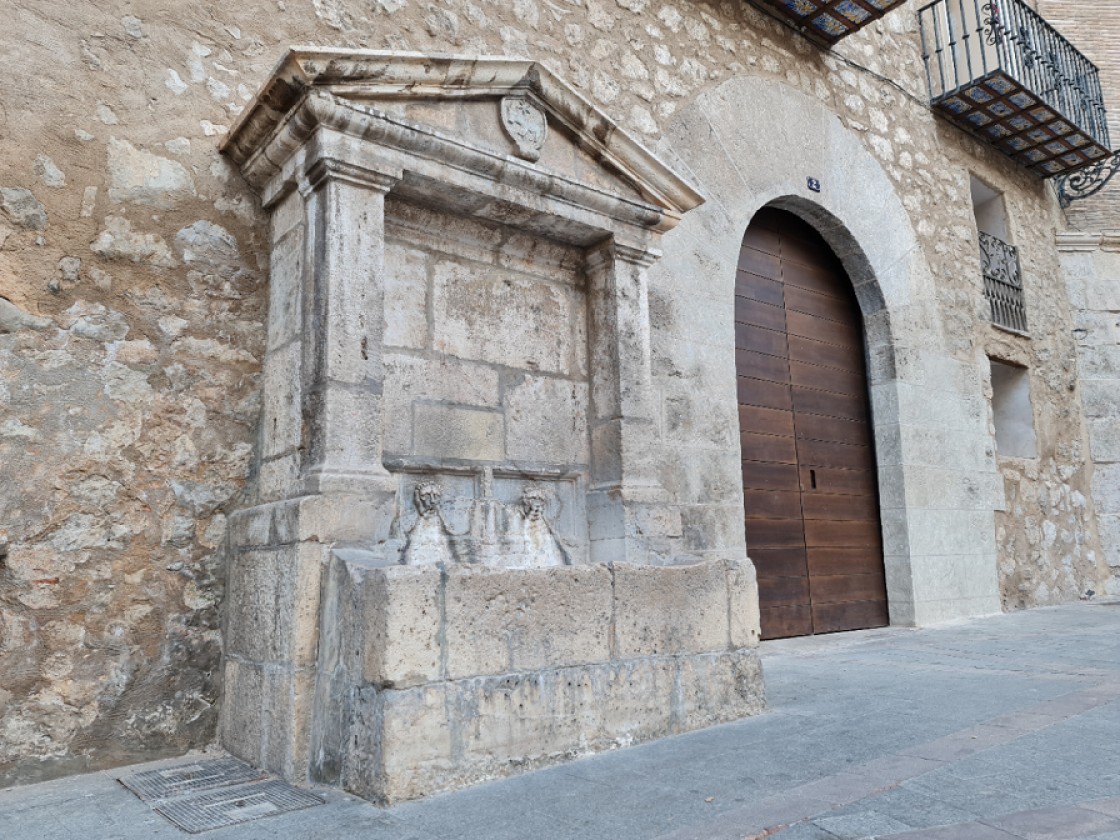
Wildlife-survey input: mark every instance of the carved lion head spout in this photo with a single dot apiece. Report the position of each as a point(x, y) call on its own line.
point(533, 501)
point(426, 496)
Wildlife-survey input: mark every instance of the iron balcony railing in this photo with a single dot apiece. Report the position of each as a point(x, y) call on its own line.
point(828, 21)
point(1001, 71)
point(1003, 283)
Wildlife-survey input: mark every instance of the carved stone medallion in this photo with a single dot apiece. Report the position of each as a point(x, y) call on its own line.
point(526, 124)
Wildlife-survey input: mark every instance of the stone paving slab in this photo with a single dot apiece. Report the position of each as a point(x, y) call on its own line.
point(1055, 823)
point(1005, 728)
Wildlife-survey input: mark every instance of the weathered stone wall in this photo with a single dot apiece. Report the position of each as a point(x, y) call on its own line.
point(509, 318)
point(1049, 549)
point(1047, 531)
point(1092, 267)
point(1089, 262)
point(129, 358)
point(129, 374)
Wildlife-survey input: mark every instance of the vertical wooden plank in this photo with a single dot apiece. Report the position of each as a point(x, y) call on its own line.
point(835, 449)
point(775, 526)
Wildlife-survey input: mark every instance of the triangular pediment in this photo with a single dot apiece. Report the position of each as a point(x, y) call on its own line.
point(515, 111)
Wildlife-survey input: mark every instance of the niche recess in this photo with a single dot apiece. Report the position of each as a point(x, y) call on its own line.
point(989, 209)
point(1012, 411)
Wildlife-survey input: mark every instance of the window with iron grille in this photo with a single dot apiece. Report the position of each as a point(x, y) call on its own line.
point(1003, 283)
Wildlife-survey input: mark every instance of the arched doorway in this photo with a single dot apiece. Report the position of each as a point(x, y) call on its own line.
point(809, 472)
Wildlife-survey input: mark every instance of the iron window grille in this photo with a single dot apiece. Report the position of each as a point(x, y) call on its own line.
point(999, 70)
point(1003, 283)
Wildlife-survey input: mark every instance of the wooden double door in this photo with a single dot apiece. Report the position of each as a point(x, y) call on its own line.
point(809, 475)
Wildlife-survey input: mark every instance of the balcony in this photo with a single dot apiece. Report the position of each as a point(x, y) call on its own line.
point(1001, 72)
point(827, 21)
point(1003, 283)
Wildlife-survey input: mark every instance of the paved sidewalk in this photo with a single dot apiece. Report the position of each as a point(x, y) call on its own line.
point(995, 729)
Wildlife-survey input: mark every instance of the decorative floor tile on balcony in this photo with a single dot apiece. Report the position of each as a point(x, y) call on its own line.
point(827, 21)
point(999, 110)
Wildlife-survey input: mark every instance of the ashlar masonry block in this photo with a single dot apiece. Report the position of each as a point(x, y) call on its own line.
point(716, 689)
point(401, 619)
point(670, 610)
point(743, 609)
point(500, 622)
point(468, 434)
point(446, 736)
point(278, 619)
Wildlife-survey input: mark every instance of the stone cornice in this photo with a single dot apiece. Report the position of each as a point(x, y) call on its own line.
point(1108, 240)
point(312, 86)
point(608, 253)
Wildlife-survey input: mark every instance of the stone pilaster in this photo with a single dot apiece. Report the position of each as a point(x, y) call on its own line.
point(625, 499)
point(342, 358)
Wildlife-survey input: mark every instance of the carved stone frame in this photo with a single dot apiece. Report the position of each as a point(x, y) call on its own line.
point(315, 133)
point(312, 131)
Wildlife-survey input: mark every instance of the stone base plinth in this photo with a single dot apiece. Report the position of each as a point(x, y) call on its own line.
point(411, 742)
point(396, 681)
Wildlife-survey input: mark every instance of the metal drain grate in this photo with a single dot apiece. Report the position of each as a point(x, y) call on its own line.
point(190, 778)
point(218, 792)
point(230, 806)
